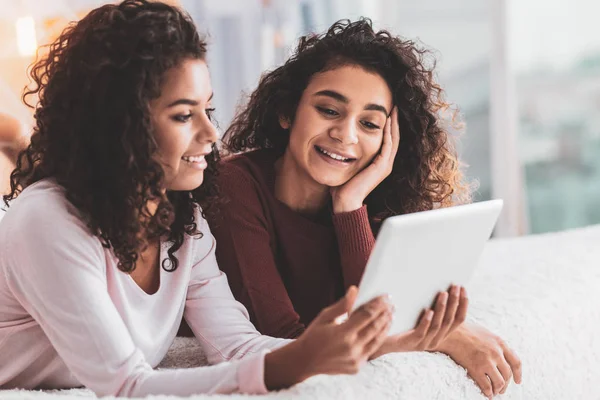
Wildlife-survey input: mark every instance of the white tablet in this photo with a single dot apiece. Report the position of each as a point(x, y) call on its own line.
point(418, 255)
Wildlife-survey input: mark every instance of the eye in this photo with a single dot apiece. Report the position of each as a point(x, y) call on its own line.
point(209, 113)
point(370, 125)
point(182, 118)
point(328, 111)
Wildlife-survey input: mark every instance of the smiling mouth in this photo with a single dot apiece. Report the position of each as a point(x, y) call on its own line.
point(195, 162)
point(334, 156)
point(193, 159)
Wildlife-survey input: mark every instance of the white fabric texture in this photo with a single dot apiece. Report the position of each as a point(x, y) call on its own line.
point(540, 293)
point(69, 317)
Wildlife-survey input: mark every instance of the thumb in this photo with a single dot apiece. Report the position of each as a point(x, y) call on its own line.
point(350, 297)
point(342, 306)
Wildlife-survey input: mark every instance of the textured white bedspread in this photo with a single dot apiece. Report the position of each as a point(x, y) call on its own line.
point(540, 293)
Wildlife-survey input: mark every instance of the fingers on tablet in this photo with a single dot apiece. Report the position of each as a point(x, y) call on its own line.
point(461, 312)
point(375, 309)
point(423, 326)
point(375, 334)
point(453, 304)
point(449, 316)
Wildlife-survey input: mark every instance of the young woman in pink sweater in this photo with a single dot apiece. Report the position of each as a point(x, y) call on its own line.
point(105, 247)
point(348, 132)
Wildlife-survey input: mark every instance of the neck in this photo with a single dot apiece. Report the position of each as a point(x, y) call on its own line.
point(152, 207)
point(296, 189)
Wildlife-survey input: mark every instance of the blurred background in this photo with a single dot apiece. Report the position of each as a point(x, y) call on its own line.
point(524, 74)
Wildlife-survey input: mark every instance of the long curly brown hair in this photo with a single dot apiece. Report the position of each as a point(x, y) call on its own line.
point(426, 172)
point(93, 133)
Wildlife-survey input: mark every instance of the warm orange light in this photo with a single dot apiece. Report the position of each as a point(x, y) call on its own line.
point(26, 39)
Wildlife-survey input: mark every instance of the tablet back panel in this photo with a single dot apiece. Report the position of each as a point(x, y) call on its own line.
point(417, 255)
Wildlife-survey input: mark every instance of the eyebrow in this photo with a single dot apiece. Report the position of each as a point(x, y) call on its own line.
point(340, 97)
point(189, 102)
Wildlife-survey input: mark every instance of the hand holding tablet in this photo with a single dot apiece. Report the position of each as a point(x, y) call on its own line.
point(419, 255)
point(435, 324)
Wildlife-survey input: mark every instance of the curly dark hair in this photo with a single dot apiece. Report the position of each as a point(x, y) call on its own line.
point(426, 172)
point(93, 133)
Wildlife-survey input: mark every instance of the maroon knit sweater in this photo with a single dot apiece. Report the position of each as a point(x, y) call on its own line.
point(283, 266)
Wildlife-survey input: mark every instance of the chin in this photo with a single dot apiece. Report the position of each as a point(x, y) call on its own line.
point(187, 185)
point(328, 175)
point(331, 180)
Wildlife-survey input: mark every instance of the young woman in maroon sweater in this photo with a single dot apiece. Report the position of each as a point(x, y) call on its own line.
point(345, 134)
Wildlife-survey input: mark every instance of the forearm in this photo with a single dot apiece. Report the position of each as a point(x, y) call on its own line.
point(355, 242)
point(285, 367)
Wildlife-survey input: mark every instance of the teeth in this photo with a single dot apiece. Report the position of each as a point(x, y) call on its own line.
point(333, 155)
point(195, 159)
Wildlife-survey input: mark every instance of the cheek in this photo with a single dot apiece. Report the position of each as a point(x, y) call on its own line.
point(307, 125)
point(172, 144)
point(167, 157)
point(300, 138)
point(371, 147)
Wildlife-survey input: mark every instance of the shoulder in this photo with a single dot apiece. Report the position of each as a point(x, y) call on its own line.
point(255, 166)
point(247, 177)
point(43, 205)
point(41, 224)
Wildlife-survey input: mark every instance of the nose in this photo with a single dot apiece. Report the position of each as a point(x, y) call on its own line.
point(345, 132)
point(207, 132)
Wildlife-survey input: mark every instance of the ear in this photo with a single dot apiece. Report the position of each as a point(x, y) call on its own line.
point(284, 122)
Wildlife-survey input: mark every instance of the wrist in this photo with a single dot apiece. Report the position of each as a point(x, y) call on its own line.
point(343, 206)
point(449, 342)
point(286, 366)
point(384, 349)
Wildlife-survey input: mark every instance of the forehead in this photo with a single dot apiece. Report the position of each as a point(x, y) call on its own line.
point(190, 79)
point(356, 83)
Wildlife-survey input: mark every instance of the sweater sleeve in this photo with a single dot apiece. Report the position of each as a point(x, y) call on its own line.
point(355, 242)
point(220, 323)
point(56, 269)
point(245, 255)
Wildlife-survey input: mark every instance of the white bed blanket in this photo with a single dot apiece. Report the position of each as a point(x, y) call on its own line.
point(540, 293)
